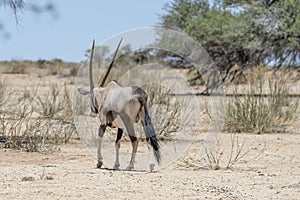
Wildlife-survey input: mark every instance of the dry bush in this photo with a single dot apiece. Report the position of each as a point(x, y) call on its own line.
point(216, 158)
point(49, 104)
point(165, 111)
point(19, 130)
point(57, 106)
point(4, 94)
point(81, 105)
point(224, 154)
point(16, 68)
point(265, 107)
point(31, 124)
point(74, 70)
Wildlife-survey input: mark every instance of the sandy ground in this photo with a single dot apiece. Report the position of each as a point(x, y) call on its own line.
point(69, 172)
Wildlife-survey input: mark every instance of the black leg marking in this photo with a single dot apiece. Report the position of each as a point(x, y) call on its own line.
point(101, 131)
point(119, 135)
point(132, 138)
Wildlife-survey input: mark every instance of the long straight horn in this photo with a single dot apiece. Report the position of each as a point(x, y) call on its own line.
point(111, 64)
point(92, 85)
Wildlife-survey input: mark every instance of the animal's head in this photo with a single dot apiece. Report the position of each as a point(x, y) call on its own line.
point(91, 91)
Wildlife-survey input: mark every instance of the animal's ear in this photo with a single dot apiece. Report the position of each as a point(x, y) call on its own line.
point(83, 91)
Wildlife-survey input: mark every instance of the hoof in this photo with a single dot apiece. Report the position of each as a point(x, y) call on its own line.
point(99, 165)
point(116, 167)
point(152, 167)
point(129, 168)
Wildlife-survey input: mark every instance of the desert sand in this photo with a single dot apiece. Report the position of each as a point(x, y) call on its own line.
point(270, 170)
point(70, 173)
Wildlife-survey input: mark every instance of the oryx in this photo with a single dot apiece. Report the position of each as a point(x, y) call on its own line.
point(120, 107)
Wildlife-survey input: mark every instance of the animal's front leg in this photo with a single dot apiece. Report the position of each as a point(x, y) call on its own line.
point(117, 146)
point(101, 132)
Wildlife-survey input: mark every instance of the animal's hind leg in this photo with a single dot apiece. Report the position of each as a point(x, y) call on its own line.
point(130, 130)
point(117, 146)
point(151, 158)
point(101, 132)
point(134, 143)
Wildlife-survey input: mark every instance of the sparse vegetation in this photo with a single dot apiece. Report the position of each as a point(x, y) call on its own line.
point(35, 119)
point(227, 152)
point(266, 106)
point(74, 70)
point(41, 67)
point(43, 176)
point(32, 122)
point(216, 158)
point(41, 119)
point(49, 104)
point(165, 111)
point(3, 94)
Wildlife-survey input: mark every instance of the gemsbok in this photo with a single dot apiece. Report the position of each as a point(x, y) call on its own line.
point(120, 107)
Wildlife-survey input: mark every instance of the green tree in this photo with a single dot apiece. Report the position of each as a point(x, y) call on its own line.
point(276, 24)
point(240, 33)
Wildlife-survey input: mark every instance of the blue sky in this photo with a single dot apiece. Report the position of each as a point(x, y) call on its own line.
point(68, 36)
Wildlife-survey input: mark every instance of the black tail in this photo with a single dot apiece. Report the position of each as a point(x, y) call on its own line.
point(150, 135)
